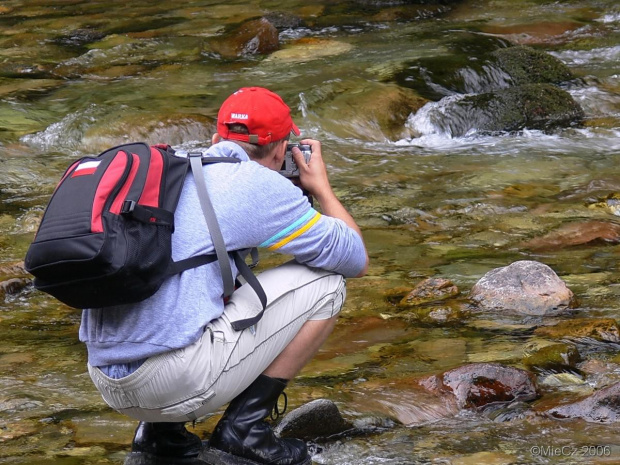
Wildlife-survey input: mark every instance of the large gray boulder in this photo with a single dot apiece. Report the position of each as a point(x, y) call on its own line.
point(523, 287)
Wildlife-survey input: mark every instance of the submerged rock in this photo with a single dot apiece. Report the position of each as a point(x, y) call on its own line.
point(13, 270)
point(13, 286)
point(479, 384)
point(13, 278)
point(579, 233)
point(430, 290)
point(363, 110)
point(525, 287)
point(254, 37)
point(80, 37)
point(601, 407)
point(436, 314)
point(553, 357)
point(599, 329)
point(543, 32)
point(308, 49)
point(154, 128)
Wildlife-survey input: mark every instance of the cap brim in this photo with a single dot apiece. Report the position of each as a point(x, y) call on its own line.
point(295, 130)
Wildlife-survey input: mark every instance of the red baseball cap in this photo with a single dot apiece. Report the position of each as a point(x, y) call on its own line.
point(263, 112)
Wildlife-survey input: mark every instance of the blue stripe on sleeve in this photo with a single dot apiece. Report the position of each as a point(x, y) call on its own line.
point(290, 228)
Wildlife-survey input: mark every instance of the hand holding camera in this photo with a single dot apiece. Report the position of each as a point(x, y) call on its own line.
point(312, 175)
point(289, 166)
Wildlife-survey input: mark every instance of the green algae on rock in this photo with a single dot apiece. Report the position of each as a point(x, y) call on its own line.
point(599, 329)
point(526, 65)
point(553, 357)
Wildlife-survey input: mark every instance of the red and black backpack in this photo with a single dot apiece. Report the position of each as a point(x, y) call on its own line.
point(105, 236)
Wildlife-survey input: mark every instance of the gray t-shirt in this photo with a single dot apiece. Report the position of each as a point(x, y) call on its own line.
point(255, 207)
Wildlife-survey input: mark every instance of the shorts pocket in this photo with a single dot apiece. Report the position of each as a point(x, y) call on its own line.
point(187, 407)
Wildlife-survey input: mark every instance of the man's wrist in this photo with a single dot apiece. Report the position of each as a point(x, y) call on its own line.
point(325, 196)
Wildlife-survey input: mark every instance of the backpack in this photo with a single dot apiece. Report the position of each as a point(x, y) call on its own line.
point(105, 236)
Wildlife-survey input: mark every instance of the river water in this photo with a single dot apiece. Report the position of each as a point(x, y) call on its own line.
point(78, 76)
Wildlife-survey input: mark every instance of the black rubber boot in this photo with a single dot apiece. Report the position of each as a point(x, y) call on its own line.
point(243, 432)
point(164, 443)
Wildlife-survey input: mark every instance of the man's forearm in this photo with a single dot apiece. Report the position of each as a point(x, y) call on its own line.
point(331, 206)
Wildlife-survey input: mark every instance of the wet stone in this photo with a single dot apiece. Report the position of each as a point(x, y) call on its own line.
point(524, 287)
point(283, 20)
point(13, 430)
point(319, 418)
point(369, 111)
point(573, 234)
point(430, 290)
point(435, 314)
point(308, 49)
point(479, 384)
point(403, 400)
point(13, 270)
point(255, 37)
point(80, 37)
point(571, 382)
point(601, 407)
point(599, 329)
point(13, 286)
point(152, 129)
point(552, 357)
point(535, 32)
point(530, 106)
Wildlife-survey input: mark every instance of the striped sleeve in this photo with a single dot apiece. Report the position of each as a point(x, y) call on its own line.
point(292, 231)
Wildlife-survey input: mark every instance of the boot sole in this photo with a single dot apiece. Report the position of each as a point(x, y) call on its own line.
point(217, 457)
point(138, 458)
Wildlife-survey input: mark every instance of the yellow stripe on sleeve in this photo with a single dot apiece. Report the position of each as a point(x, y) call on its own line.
point(297, 233)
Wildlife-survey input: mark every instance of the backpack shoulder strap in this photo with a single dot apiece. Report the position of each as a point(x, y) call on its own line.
point(195, 160)
point(253, 281)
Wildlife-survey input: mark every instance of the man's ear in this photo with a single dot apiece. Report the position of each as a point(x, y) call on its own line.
point(281, 151)
point(215, 138)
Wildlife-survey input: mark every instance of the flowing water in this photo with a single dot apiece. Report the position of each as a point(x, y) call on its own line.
point(77, 76)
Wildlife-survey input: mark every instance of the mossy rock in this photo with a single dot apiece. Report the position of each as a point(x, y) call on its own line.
point(465, 68)
point(553, 357)
point(526, 65)
point(531, 106)
point(479, 65)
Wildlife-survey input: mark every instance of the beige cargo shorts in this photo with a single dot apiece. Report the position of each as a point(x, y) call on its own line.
point(189, 383)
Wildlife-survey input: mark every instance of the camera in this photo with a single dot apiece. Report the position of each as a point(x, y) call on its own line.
point(289, 168)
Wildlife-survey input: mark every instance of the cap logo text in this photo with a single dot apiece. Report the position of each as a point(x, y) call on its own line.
point(240, 116)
